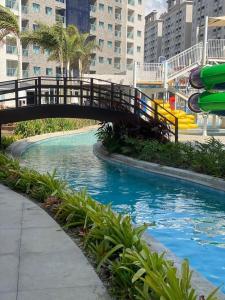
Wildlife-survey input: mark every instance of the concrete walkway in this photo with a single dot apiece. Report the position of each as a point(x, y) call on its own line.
point(37, 259)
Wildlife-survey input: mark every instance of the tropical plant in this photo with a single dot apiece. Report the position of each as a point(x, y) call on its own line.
point(66, 45)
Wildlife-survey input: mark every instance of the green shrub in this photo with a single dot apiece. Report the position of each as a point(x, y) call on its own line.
point(6, 141)
point(36, 127)
point(135, 272)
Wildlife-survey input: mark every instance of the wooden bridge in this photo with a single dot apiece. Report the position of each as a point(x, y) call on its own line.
point(88, 98)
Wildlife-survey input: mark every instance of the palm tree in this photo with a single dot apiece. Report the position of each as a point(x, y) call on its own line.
point(49, 38)
point(9, 25)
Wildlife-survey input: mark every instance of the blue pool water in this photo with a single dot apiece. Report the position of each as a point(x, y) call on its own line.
point(189, 219)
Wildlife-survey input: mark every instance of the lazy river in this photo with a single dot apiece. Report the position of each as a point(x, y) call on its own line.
point(188, 219)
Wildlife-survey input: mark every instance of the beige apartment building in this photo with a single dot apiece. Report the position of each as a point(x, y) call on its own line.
point(33, 61)
point(177, 27)
point(202, 8)
point(118, 28)
point(153, 37)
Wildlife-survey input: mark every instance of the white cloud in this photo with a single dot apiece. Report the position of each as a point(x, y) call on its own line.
point(159, 5)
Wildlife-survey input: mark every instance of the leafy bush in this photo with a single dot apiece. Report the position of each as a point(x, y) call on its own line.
point(135, 272)
point(8, 140)
point(36, 127)
point(207, 158)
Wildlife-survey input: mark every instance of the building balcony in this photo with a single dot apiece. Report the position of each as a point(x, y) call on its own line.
point(25, 52)
point(11, 49)
point(130, 51)
point(24, 9)
point(118, 34)
point(25, 73)
point(130, 35)
point(117, 50)
point(118, 17)
point(12, 72)
point(93, 27)
point(60, 19)
point(130, 18)
point(117, 66)
point(11, 4)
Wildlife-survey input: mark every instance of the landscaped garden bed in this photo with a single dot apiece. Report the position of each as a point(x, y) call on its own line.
point(117, 249)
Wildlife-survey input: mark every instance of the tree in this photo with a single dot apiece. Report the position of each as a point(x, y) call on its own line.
point(9, 25)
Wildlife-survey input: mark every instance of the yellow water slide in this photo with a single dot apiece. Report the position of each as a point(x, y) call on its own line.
point(185, 121)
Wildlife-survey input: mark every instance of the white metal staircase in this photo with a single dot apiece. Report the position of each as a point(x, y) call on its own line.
point(181, 63)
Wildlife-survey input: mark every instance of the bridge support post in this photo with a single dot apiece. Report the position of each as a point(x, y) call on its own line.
point(0, 135)
point(176, 130)
point(65, 90)
point(16, 94)
point(92, 92)
point(135, 101)
point(57, 92)
point(81, 93)
point(112, 94)
point(36, 92)
point(39, 90)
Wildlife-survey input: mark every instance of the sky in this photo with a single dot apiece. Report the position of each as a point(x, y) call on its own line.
point(159, 5)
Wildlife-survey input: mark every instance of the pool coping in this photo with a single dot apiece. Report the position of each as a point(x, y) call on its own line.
point(201, 284)
point(16, 149)
point(191, 176)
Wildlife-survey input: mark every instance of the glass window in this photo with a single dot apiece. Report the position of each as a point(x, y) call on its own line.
point(101, 60)
point(37, 71)
point(101, 25)
point(139, 33)
point(138, 49)
point(110, 10)
point(139, 17)
point(36, 49)
point(101, 42)
point(36, 7)
point(110, 27)
point(101, 7)
point(48, 11)
point(140, 2)
point(49, 71)
point(35, 26)
point(109, 43)
point(109, 61)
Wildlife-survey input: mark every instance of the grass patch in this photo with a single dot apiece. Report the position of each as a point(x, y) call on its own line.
point(117, 248)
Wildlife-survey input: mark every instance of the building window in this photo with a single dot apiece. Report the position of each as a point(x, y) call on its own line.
point(101, 7)
point(101, 60)
point(101, 25)
point(109, 43)
point(109, 61)
point(36, 7)
point(36, 49)
point(139, 33)
point(101, 42)
point(35, 26)
point(139, 17)
point(49, 71)
point(138, 49)
point(140, 2)
point(110, 27)
point(47, 52)
point(110, 10)
point(11, 68)
point(48, 11)
point(37, 71)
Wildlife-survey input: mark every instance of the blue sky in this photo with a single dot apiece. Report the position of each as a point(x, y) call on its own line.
point(159, 5)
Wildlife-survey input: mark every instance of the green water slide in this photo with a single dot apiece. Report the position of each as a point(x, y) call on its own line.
point(212, 79)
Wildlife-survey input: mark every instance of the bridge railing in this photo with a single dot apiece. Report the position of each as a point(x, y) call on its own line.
point(39, 91)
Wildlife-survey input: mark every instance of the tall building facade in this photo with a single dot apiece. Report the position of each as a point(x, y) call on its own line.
point(202, 8)
point(33, 61)
point(153, 37)
point(77, 13)
point(118, 28)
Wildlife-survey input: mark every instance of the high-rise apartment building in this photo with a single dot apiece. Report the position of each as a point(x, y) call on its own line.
point(33, 61)
point(118, 27)
point(153, 37)
point(177, 27)
point(202, 8)
point(77, 13)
